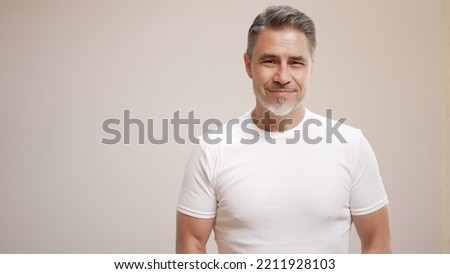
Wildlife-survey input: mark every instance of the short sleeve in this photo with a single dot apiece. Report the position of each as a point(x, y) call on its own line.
point(367, 191)
point(197, 197)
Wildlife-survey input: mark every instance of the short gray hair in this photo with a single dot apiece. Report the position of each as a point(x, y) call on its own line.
point(282, 17)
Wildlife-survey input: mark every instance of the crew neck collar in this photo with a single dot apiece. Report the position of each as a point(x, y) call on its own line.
point(278, 134)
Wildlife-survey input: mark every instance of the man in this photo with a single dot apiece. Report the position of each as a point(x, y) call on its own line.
point(280, 193)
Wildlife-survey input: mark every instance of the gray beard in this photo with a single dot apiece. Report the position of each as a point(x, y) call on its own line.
point(280, 108)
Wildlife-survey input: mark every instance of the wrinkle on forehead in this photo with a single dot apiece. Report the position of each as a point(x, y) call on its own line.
point(286, 41)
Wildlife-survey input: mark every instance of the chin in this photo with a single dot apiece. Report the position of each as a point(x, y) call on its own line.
point(280, 107)
point(280, 111)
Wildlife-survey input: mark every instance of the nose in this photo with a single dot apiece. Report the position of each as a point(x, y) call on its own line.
point(282, 76)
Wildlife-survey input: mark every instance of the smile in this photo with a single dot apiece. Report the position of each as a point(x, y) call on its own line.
point(281, 91)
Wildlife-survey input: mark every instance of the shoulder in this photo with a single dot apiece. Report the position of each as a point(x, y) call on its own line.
point(228, 133)
point(335, 129)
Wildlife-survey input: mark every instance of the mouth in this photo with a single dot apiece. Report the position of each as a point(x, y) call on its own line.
point(281, 92)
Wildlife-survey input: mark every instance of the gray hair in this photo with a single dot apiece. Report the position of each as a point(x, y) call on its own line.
point(282, 17)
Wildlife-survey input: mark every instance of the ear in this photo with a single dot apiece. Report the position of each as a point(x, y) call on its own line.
point(248, 65)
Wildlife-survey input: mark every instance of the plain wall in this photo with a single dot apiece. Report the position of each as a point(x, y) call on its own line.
point(445, 153)
point(67, 66)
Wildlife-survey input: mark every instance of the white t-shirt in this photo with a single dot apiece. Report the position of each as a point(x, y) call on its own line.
point(283, 197)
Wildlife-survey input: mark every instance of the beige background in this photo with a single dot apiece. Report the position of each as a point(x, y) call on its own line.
point(446, 131)
point(66, 66)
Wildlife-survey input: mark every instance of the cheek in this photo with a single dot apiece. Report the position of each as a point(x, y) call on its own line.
point(262, 76)
point(301, 78)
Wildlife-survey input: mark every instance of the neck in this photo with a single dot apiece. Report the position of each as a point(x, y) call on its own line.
point(267, 121)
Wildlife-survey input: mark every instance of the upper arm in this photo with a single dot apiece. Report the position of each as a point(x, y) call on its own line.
point(192, 233)
point(374, 231)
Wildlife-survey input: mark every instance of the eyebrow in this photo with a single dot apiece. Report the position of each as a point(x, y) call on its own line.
point(267, 56)
point(299, 58)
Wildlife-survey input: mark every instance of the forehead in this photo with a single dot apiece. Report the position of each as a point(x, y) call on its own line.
point(281, 42)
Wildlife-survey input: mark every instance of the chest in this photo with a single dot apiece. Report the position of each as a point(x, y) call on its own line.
point(284, 181)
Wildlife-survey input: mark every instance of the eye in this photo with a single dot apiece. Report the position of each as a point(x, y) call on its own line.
point(269, 62)
point(297, 64)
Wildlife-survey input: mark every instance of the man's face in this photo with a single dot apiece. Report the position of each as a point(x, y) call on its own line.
point(280, 68)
